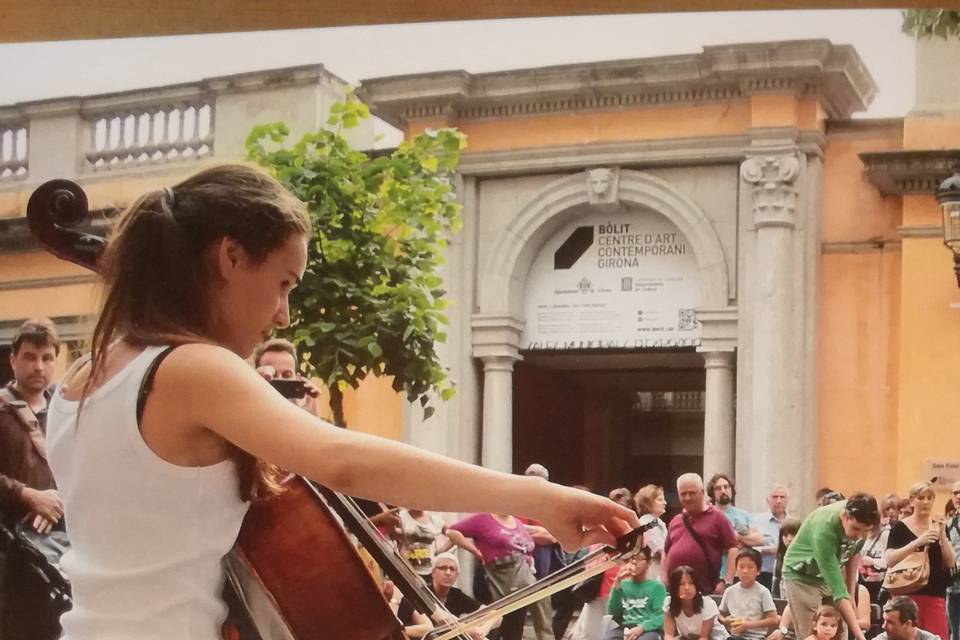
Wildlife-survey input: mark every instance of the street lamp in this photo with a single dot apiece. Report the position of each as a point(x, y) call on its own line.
point(948, 198)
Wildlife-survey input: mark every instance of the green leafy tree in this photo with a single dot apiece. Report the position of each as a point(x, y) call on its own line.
point(370, 300)
point(927, 23)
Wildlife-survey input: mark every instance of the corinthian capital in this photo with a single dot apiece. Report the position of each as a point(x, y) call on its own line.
point(774, 195)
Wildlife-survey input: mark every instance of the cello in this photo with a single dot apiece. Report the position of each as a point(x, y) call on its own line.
point(292, 555)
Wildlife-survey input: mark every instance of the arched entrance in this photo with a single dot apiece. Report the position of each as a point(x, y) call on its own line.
point(581, 373)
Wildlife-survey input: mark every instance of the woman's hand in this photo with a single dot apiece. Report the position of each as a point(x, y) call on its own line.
point(930, 536)
point(578, 518)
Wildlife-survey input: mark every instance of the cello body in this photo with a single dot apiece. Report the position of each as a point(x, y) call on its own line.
point(301, 578)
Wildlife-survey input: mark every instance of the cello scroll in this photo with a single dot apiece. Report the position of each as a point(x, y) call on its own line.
point(55, 207)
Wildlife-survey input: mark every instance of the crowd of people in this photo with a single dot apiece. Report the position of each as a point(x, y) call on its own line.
point(730, 573)
point(149, 452)
point(714, 571)
point(717, 571)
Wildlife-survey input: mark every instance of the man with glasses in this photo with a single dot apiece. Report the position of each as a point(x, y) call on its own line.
point(953, 591)
point(446, 570)
point(823, 562)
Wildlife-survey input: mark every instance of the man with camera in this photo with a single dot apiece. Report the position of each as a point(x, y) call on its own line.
point(30, 506)
point(276, 361)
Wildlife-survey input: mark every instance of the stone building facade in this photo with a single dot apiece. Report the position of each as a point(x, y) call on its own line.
point(694, 262)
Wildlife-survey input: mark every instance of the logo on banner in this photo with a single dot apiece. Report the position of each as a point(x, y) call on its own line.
point(573, 248)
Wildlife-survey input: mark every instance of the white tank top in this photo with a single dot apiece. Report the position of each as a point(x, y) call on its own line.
point(147, 536)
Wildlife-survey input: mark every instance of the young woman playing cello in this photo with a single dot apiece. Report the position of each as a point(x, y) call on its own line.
point(154, 495)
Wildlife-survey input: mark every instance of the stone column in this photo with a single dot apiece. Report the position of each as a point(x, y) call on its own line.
point(496, 340)
point(718, 424)
point(774, 368)
point(497, 447)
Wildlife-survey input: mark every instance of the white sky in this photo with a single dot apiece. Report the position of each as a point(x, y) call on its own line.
point(46, 70)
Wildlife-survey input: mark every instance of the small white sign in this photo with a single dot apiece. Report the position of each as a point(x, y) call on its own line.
point(621, 280)
point(942, 473)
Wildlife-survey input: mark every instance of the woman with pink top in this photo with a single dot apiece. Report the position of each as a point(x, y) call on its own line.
point(506, 549)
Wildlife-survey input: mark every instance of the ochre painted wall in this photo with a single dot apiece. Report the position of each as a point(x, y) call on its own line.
point(50, 300)
point(859, 316)
point(780, 110)
point(858, 366)
point(374, 407)
point(932, 130)
point(640, 123)
point(929, 348)
point(643, 122)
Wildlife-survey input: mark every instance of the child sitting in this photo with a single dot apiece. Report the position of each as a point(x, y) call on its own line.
point(747, 608)
point(688, 614)
point(826, 624)
point(636, 603)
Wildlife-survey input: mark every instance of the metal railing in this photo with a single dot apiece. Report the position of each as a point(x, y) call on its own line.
point(672, 401)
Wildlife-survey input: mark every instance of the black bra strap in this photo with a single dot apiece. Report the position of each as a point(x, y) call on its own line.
point(147, 385)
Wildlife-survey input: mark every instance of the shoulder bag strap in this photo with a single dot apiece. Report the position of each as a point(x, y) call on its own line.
point(703, 548)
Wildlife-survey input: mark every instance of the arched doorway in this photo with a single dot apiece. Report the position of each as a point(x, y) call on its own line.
point(610, 390)
point(637, 219)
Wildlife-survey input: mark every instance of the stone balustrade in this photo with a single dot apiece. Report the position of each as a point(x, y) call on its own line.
point(150, 135)
point(14, 140)
point(669, 401)
point(161, 129)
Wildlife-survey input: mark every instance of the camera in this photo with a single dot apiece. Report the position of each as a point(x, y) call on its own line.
point(290, 387)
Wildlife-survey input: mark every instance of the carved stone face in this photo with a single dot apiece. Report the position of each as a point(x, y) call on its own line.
point(600, 181)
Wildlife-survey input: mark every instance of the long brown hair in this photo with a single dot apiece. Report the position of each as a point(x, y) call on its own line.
point(789, 526)
point(157, 274)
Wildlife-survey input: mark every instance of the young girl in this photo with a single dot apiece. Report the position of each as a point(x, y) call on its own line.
point(788, 531)
point(826, 624)
point(156, 481)
point(651, 505)
point(689, 613)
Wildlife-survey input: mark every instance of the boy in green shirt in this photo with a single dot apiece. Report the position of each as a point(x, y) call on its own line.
point(823, 561)
point(636, 603)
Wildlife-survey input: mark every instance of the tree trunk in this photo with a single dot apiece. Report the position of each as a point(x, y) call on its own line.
point(336, 406)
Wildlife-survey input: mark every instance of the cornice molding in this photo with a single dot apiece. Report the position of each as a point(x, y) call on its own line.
point(901, 173)
point(638, 154)
point(921, 231)
point(68, 328)
point(15, 236)
point(44, 283)
point(867, 246)
point(833, 73)
point(173, 93)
